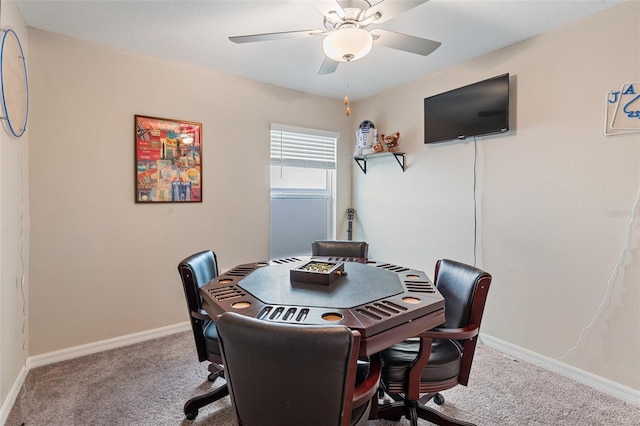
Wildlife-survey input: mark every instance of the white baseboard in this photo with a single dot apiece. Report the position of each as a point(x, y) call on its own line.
point(11, 398)
point(104, 345)
point(599, 383)
point(77, 351)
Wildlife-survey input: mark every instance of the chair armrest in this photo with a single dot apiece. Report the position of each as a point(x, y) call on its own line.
point(451, 333)
point(202, 315)
point(369, 386)
point(426, 339)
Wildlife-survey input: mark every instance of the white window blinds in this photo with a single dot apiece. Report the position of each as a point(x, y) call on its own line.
point(300, 147)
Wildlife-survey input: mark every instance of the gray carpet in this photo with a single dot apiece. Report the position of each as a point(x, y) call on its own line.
point(148, 383)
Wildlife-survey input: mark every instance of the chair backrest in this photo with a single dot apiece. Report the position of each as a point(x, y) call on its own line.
point(196, 271)
point(465, 289)
point(340, 248)
point(457, 283)
point(288, 374)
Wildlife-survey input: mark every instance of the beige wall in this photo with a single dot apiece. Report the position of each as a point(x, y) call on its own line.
point(554, 194)
point(14, 247)
point(103, 266)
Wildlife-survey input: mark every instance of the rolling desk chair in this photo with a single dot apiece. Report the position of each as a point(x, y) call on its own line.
point(292, 374)
point(416, 370)
point(196, 271)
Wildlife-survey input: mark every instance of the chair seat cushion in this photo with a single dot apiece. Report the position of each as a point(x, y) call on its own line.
point(360, 415)
point(362, 371)
point(444, 362)
point(211, 338)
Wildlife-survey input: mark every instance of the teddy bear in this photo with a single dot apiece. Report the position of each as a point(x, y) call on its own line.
point(391, 141)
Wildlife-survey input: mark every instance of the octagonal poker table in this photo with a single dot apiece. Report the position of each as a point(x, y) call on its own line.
point(386, 303)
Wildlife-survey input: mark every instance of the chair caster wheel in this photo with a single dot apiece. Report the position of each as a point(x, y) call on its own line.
point(191, 415)
point(438, 399)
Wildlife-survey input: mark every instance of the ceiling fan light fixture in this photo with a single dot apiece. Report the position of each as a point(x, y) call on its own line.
point(347, 44)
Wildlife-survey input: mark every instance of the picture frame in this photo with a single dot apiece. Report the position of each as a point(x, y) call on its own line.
point(168, 160)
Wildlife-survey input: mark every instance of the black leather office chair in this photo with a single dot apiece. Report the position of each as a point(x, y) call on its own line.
point(309, 373)
point(341, 249)
point(196, 271)
point(440, 358)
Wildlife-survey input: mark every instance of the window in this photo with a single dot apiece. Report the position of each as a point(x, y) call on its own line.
point(303, 163)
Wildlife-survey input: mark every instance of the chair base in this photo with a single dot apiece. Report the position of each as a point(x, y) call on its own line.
point(214, 375)
point(412, 411)
point(192, 406)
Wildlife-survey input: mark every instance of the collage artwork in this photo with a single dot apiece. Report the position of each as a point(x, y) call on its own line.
point(168, 160)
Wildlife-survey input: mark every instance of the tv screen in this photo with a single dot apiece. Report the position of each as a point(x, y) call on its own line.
point(480, 108)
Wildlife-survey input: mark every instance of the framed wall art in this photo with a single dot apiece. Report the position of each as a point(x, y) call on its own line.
point(168, 157)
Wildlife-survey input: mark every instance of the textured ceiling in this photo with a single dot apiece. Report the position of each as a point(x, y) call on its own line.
point(196, 32)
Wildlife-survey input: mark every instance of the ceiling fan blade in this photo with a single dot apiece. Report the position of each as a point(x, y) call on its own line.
point(274, 36)
point(390, 9)
point(353, 4)
point(408, 43)
point(328, 66)
point(325, 7)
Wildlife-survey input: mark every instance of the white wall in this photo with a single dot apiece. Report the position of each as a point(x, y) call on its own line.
point(103, 266)
point(547, 194)
point(14, 247)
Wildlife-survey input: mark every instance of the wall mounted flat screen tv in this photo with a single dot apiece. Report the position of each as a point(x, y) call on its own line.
point(480, 108)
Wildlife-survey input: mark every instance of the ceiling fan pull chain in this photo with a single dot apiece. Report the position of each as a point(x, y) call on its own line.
point(346, 96)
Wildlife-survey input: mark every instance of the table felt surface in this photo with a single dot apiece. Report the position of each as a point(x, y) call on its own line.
point(362, 284)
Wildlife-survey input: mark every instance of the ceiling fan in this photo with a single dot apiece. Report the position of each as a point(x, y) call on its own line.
point(346, 34)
